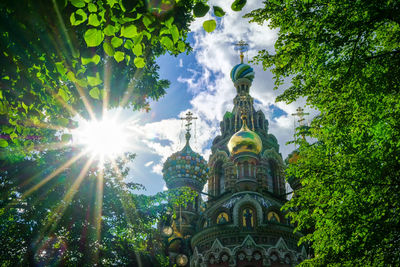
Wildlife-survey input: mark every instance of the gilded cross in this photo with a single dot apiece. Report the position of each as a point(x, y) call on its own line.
point(242, 46)
point(189, 117)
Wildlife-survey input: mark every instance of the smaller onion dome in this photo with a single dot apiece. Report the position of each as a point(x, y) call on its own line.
point(242, 71)
point(245, 140)
point(185, 168)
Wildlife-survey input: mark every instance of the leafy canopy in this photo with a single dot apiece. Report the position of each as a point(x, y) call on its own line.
point(344, 57)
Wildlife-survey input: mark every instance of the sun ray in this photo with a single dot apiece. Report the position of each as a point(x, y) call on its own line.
point(98, 208)
point(52, 175)
point(107, 82)
point(63, 205)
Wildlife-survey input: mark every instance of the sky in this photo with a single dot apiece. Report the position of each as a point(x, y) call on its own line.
point(200, 82)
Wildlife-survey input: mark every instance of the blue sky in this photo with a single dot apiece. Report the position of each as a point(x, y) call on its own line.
point(200, 82)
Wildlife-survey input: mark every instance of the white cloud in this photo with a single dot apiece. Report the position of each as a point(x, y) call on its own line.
point(213, 90)
point(147, 164)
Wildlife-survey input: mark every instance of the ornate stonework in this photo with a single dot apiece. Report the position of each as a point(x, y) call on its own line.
point(242, 224)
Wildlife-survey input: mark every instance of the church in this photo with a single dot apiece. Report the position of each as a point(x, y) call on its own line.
point(241, 223)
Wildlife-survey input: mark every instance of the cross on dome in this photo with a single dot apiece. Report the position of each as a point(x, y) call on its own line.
point(242, 46)
point(189, 118)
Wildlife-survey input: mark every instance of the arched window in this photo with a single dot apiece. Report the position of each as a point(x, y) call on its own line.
point(248, 218)
point(219, 178)
point(273, 182)
point(246, 169)
point(272, 216)
point(222, 218)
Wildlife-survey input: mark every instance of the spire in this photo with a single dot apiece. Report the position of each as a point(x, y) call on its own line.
point(189, 117)
point(242, 46)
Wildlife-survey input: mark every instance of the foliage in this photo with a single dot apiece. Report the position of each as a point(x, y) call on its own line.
point(344, 57)
point(63, 58)
point(78, 219)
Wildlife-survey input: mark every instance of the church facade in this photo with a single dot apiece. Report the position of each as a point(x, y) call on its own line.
point(241, 223)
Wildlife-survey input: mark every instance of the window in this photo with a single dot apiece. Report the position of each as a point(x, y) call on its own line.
point(272, 216)
point(248, 218)
point(222, 218)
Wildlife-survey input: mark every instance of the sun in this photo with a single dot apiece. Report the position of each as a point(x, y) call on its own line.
point(107, 138)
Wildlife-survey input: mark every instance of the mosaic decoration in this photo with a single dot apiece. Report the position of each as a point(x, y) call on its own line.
point(186, 164)
point(242, 71)
point(262, 201)
point(231, 202)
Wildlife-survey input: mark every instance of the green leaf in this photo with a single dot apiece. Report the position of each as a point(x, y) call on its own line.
point(219, 12)
point(3, 143)
point(200, 9)
point(109, 30)
point(78, 3)
point(128, 44)
point(71, 76)
point(139, 62)
point(209, 25)
point(60, 68)
point(108, 49)
point(137, 50)
point(93, 20)
point(92, 7)
point(111, 3)
point(95, 93)
point(129, 31)
point(119, 56)
point(95, 59)
point(24, 107)
point(63, 94)
point(168, 22)
point(116, 42)
point(175, 33)
point(147, 21)
point(73, 19)
point(93, 81)
point(13, 135)
point(238, 5)
point(181, 46)
point(167, 42)
point(93, 37)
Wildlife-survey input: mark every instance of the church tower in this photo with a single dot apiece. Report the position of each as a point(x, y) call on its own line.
point(242, 224)
point(184, 168)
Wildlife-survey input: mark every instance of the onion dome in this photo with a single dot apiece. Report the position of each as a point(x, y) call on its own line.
point(185, 168)
point(245, 140)
point(242, 71)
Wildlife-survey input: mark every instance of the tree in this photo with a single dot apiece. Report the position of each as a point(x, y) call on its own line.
point(344, 57)
point(61, 59)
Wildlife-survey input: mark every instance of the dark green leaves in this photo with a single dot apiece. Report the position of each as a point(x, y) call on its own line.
point(209, 25)
point(219, 12)
point(238, 5)
point(200, 9)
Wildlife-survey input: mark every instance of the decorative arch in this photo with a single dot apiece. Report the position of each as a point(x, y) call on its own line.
point(275, 170)
point(248, 249)
point(217, 251)
point(246, 200)
point(217, 178)
point(274, 211)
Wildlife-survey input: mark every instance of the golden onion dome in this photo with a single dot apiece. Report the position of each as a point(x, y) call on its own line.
point(245, 140)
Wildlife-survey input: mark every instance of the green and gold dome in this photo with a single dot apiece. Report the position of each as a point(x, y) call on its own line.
point(245, 140)
point(242, 70)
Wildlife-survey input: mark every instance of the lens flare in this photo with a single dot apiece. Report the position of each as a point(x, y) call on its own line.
point(106, 138)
